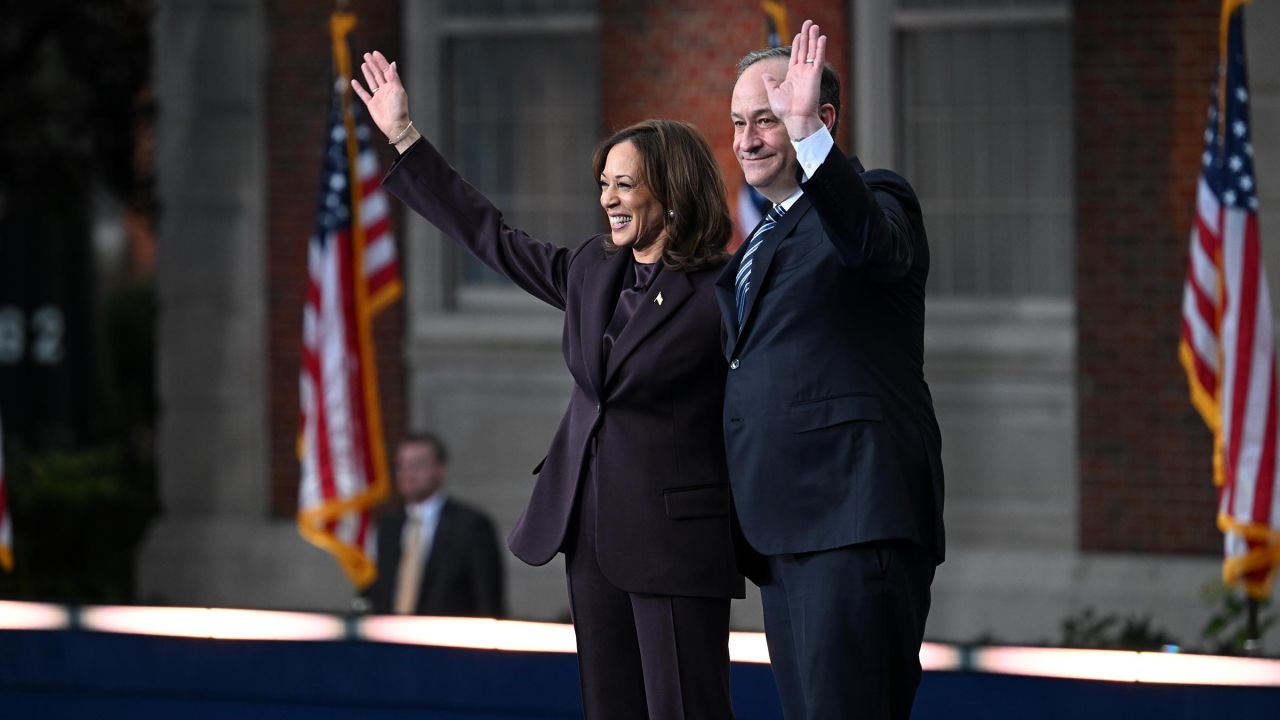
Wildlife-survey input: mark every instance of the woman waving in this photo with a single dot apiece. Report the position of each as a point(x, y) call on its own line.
point(634, 488)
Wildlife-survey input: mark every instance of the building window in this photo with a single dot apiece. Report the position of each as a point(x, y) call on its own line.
point(520, 104)
point(985, 136)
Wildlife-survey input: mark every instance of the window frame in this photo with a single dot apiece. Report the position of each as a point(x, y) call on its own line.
point(441, 305)
point(877, 30)
point(997, 361)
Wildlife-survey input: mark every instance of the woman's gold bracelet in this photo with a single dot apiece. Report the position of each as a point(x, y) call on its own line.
point(403, 132)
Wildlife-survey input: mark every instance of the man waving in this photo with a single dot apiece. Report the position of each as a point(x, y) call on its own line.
point(834, 450)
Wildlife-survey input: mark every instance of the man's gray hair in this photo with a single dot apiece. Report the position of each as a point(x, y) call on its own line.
point(828, 94)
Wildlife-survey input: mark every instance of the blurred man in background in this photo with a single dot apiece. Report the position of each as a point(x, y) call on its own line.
point(436, 556)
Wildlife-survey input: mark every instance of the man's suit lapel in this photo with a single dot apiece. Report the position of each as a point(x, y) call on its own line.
point(434, 562)
point(389, 543)
point(600, 296)
point(675, 288)
point(725, 297)
point(760, 263)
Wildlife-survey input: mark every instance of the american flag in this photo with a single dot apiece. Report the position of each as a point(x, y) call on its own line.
point(6, 525)
point(352, 274)
point(1227, 347)
point(751, 204)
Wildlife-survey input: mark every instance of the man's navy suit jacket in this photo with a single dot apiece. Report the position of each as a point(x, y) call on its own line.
point(829, 424)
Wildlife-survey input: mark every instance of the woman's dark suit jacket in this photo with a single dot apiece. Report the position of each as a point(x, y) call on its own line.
point(652, 415)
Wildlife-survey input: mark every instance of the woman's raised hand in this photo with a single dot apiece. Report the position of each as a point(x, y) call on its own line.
point(386, 99)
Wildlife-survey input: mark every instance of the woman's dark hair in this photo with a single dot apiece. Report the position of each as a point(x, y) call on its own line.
point(677, 166)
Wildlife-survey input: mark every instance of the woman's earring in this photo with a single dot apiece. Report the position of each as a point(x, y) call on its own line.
point(671, 214)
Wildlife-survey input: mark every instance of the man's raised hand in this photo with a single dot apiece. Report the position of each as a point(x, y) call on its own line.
point(794, 99)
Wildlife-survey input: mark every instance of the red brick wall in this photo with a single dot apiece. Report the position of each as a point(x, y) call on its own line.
point(1142, 74)
point(677, 60)
point(298, 84)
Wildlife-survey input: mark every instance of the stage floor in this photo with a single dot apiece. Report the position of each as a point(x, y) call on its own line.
point(197, 663)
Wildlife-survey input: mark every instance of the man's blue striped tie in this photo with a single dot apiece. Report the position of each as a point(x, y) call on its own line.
point(742, 282)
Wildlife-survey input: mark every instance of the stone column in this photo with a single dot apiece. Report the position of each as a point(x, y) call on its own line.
point(216, 542)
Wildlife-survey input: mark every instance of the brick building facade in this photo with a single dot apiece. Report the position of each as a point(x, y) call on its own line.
point(1142, 74)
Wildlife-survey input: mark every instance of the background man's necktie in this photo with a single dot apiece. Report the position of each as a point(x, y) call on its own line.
point(409, 578)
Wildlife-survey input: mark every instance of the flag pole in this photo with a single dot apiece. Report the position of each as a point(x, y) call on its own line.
point(1253, 639)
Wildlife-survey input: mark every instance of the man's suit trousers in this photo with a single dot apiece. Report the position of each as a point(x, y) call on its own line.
point(844, 628)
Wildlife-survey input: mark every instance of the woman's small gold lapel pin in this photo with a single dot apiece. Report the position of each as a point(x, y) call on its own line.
point(658, 299)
